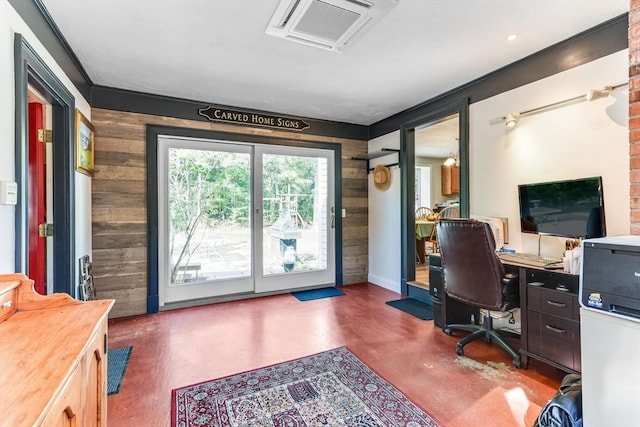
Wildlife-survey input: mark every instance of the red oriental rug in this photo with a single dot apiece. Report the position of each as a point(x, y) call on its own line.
point(327, 389)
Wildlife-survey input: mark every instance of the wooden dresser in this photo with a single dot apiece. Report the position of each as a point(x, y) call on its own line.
point(53, 359)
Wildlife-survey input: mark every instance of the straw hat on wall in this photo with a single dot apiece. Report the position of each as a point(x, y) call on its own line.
point(382, 177)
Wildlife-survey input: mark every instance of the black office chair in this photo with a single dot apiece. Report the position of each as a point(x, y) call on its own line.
point(473, 274)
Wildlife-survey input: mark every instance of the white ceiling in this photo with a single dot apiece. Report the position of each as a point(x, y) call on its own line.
point(216, 51)
point(438, 140)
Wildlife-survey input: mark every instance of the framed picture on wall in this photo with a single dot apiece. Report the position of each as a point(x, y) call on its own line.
point(84, 144)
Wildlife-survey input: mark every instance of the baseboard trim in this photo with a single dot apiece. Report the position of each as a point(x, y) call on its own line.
point(392, 285)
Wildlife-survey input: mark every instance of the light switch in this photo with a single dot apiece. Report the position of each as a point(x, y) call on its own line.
point(344, 213)
point(8, 193)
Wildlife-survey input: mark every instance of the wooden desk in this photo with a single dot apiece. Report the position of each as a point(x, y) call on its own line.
point(549, 313)
point(423, 231)
point(549, 316)
point(53, 357)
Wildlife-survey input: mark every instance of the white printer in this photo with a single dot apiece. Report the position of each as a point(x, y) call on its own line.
point(610, 331)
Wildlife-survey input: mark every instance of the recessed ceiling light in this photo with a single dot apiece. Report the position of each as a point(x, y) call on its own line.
point(512, 37)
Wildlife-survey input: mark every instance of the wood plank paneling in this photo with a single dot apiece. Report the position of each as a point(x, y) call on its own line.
point(119, 199)
point(117, 186)
point(111, 227)
point(354, 187)
point(123, 240)
point(121, 172)
point(119, 211)
point(132, 300)
point(118, 255)
point(119, 269)
point(115, 158)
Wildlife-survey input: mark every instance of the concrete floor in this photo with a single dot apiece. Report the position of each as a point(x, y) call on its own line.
point(180, 347)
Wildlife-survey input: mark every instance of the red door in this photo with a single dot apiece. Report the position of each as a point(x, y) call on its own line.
point(37, 207)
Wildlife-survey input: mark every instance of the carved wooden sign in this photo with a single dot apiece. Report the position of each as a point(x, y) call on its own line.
point(252, 119)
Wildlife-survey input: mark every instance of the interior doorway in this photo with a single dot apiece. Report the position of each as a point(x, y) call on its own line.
point(33, 77)
point(40, 182)
point(428, 141)
point(436, 153)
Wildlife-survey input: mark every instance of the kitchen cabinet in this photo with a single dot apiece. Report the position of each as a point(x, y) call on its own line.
point(450, 179)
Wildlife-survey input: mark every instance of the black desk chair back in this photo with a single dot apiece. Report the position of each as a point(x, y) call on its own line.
point(474, 275)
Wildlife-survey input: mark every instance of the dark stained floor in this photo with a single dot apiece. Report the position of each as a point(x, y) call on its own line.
point(181, 347)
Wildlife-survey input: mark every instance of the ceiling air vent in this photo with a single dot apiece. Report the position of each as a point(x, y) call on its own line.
point(327, 24)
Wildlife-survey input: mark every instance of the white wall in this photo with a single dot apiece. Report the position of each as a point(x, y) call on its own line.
point(579, 140)
point(584, 139)
point(384, 219)
point(11, 23)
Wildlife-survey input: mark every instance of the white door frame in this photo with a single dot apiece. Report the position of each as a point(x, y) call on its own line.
point(295, 279)
point(257, 283)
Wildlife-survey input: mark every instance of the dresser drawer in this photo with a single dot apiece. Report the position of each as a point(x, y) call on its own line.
point(553, 302)
point(554, 338)
point(8, 300)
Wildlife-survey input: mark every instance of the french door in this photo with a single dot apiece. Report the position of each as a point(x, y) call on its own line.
point(238, 218)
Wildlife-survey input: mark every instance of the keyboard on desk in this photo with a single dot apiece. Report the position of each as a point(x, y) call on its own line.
point(524, 258)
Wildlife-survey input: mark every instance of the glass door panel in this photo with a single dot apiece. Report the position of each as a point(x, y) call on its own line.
point(238, 218)
point(209, 250)
point(297, 232)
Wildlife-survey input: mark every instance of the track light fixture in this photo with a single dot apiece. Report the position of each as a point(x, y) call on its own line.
point(594, 94)
point(511, 119)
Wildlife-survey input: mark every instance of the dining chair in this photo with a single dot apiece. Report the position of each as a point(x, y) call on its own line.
point(452, 211)
point(433, 240)
point(424, 213)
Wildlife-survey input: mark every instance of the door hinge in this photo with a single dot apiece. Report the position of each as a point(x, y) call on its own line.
point(45, 135)
point(45, 230)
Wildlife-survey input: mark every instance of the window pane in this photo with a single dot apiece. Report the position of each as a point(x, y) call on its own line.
point(209, 215)
point(295, 216)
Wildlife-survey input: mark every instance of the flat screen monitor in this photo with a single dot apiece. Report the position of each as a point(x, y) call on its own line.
point(572, 208)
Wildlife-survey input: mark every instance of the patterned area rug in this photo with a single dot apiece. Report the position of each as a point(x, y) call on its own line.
point(333, 388)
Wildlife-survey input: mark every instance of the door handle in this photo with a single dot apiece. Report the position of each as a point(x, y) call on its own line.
point(333, 217)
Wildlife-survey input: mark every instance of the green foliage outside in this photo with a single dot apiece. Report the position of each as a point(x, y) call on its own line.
point(288, 175)
point(211, 189)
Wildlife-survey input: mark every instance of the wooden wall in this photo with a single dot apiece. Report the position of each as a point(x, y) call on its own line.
point(119, 211)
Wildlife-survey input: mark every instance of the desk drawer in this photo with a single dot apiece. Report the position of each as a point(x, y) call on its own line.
point(554, 338)
point(553, 302)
